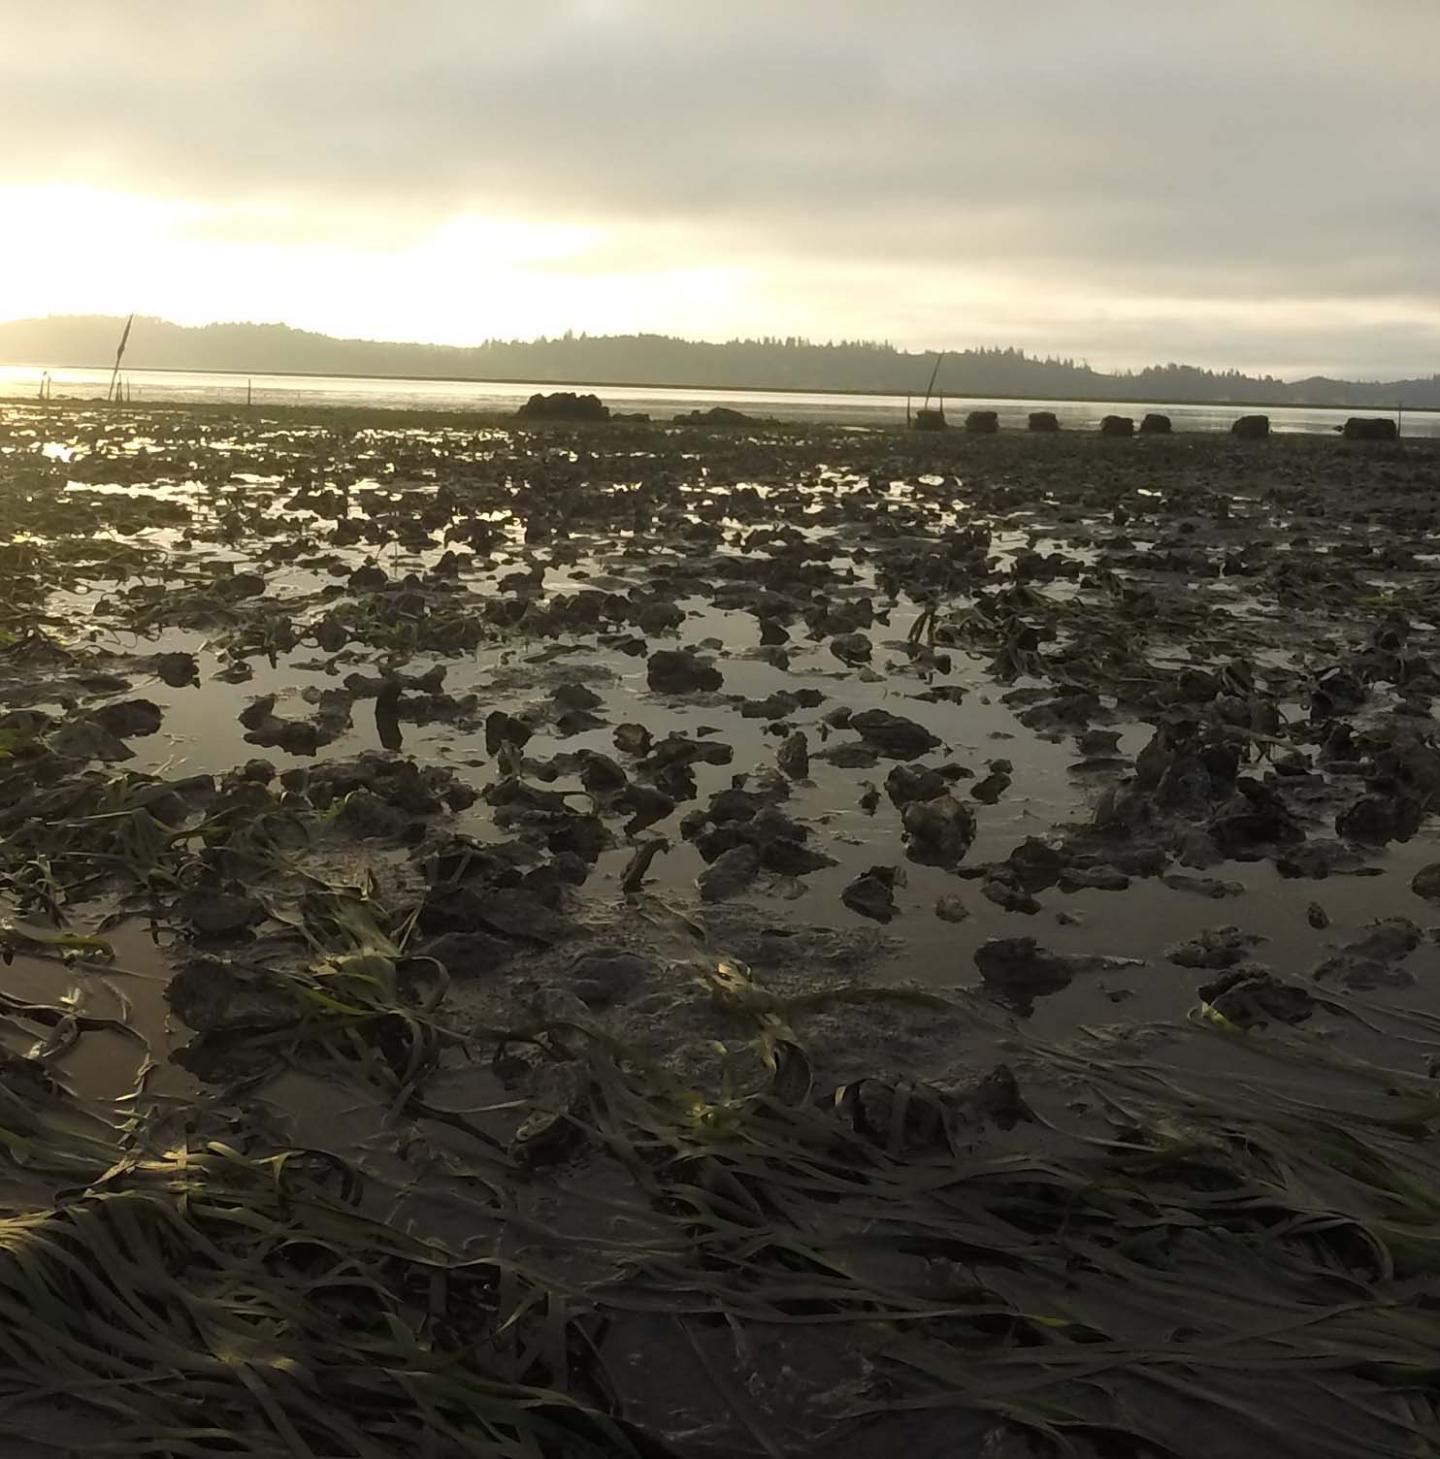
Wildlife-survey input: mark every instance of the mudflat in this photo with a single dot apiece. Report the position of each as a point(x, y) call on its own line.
point(716, 939)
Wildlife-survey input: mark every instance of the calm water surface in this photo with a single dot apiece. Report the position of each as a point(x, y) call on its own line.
point(659, 401)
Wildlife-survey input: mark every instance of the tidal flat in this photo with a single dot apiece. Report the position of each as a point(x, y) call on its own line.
point(637, 939)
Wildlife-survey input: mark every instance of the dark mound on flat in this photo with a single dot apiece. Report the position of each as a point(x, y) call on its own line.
point(563, 405)
point(720, 415)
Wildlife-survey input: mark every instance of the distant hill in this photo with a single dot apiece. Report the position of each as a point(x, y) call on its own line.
point(653, 359)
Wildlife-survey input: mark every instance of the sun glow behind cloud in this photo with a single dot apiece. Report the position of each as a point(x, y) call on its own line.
point(68, 248)
point(1226, 184)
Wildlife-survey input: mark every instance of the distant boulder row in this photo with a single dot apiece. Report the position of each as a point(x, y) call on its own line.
point(1251, 427)
point(1044, 420)
point(982, 422)
point(1155, 425)
point(1370, 428)
point(1117, 425)
point(563, 405)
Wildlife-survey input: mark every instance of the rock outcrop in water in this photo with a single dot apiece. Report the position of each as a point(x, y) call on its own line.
point(563, 405)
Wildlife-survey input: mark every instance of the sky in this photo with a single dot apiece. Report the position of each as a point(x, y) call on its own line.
point(1233, 183)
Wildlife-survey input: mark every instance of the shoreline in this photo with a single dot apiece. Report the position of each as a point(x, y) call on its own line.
point(790, 390)
point(400, 416)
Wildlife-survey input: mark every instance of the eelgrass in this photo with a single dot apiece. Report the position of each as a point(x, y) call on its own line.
point(1221, 1272)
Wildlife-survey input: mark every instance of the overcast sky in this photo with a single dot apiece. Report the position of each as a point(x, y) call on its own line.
point(1230, 182)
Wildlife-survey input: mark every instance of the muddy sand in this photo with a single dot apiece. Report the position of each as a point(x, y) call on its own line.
point(687, 941)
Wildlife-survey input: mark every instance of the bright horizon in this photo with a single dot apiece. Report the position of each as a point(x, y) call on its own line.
point(1229, 187)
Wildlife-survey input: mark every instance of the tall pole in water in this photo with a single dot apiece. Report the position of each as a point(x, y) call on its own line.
point(119, 355)
point(929, 389)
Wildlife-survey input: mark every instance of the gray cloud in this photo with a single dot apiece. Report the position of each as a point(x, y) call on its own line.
point(1227, 151)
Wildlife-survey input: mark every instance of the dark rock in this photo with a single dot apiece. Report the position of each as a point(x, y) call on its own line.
point(729, 874)
point(216, 913)
point(647, 807)
point(1251, 427)
point(632, 739)
point(898, 1115)
point(572, 698)
point(1008, 894)
point(872, 894)
point(893, 734)
point(505, 729)
point(331, 635)
point(367, 817)
point(906, 783)
point(991, 788)
point(1155, 425)
point(1021, 969)
point(773, 706)
point(86, 740)
point(238, 585)
point(607, 974)
point(599, 774)
point(178, 670)
point(1426, 882)
point(950, 907)
point(1044, 420)
point(468, 954)
point(1117, 425)
point(296, 736)
point(519, 914)
point(1375, 820)
point(1098, 744)
point(1252, 998)
point(681, 671)
point(1034, 864)
point(657, 618)
point(213, 996)
point(1386, 941)
point(1216, 947)
point(793, 756)
point(982, 422)
point(131, 718)
point(368, 579)
point(940, 831)
point(849, 755)
point(1370, 428)
point(851, 648)
point(995, 1098)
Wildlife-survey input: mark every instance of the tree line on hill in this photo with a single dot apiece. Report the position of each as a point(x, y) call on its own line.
point(651, 359)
